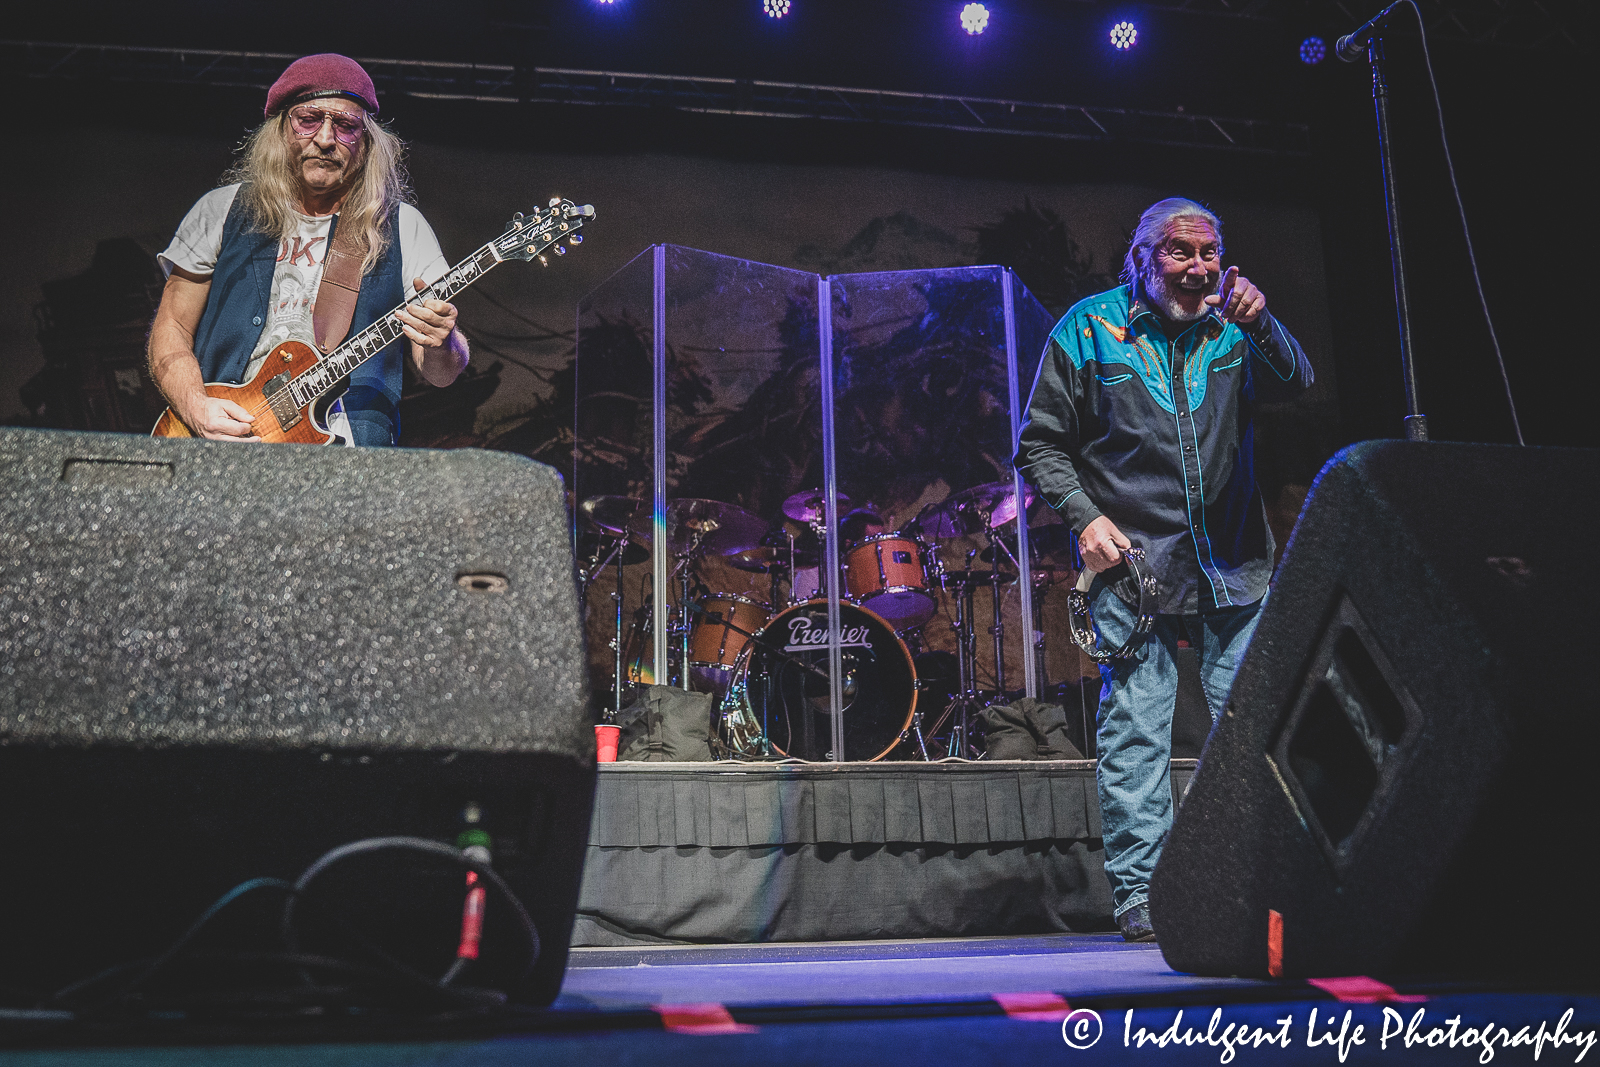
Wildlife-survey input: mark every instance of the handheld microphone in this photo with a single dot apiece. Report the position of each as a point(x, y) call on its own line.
point(1352, 46)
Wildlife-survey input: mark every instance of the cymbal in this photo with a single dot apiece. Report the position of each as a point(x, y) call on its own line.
point(972, 511)
point(710, 527)
point(764, 559)
point(615, 515)
point(599, 545)
point(1043, 540)
point(809, 505)
point(977, 576)
point(757, 560)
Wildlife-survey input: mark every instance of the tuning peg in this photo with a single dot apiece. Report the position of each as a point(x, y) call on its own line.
point(575, 240)
point(517, 217)
point(559, 250)
point(543, 262)
point(555, 201)
point(587, 210)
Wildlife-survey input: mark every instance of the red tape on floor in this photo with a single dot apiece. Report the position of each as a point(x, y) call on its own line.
point(703, 1019)
point(1034, 1007)
point(1359, 989)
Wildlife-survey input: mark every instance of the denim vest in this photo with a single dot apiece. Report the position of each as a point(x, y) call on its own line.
point(236, 313)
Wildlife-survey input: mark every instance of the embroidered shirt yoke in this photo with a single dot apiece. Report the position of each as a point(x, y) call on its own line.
point(1155, 433)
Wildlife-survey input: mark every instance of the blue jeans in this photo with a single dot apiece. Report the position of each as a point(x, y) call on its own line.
point(1134, 739)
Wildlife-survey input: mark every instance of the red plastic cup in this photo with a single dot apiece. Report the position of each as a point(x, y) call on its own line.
point(605, 743)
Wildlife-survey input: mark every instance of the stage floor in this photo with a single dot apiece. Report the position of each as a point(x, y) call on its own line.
point(860, 973)
point(925, 1001)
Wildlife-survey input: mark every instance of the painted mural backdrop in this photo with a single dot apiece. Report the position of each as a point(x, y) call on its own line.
point(919, 418)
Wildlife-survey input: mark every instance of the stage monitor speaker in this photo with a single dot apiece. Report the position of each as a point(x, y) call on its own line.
point(1405, 770)
point(219, 661)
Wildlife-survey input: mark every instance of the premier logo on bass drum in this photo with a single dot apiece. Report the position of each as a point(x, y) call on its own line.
point(804, 637)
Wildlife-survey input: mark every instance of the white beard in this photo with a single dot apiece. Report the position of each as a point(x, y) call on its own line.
point(1165, 299)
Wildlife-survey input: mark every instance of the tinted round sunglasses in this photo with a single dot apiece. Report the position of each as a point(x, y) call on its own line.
point(307, 122)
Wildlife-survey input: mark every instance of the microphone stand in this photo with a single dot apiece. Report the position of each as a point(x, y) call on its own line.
point(1416, 422)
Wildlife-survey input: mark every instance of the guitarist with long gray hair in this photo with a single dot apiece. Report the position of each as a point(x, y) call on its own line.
point(310, 238)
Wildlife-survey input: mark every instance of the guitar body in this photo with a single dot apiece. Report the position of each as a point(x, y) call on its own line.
point(280, 422)
point(289, 396)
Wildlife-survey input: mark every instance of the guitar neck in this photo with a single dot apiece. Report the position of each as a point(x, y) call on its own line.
point(338, 365)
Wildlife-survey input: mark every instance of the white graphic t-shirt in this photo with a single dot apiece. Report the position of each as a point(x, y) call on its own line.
point(298, 274)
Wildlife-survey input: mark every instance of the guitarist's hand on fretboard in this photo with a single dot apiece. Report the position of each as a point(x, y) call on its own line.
point(439, 352)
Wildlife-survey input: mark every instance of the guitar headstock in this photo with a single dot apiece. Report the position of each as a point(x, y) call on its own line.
point(551, 229)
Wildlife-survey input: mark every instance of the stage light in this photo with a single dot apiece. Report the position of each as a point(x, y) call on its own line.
point(1313, 50)
point(1124, 35)
point(775, 8)
point(974, 18)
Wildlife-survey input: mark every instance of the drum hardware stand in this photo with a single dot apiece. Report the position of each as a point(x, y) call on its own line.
point(1041, 675)
point(966, 666)
point(997, 630)
point(1040, 582)
point(916, 731)
point(616, 641)
point(684, 572)
point(793, 596)
point(586, 578)
point(775, 579)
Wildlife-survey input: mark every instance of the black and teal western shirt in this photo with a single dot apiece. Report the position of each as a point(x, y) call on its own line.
point(1154, 432)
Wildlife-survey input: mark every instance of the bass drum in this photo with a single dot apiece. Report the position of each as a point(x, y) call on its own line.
point(879, 684)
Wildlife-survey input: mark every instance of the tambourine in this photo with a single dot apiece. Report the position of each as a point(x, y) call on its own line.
point(1081, 620)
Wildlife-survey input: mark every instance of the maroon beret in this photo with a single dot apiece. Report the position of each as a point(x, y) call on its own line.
point(322, 75)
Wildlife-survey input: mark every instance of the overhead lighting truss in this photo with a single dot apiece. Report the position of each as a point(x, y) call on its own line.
point(1518, 23)
point(439, 80)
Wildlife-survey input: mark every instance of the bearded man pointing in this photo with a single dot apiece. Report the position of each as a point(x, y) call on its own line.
point(1140, 432)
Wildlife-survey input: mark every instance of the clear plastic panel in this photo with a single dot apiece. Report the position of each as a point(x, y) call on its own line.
point(613, 465)
point(1049, 551)
point(926, 395)
point(757, 442)
point(744, 434)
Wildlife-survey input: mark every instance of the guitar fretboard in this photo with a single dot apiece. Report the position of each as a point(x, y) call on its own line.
point(335, 367)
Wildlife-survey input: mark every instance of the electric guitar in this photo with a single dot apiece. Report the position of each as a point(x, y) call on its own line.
point(289, 396)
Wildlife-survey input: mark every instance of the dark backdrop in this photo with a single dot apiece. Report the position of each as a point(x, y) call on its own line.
point(1508, 113)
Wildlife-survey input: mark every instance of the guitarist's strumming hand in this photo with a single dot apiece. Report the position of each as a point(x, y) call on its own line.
point(217, 419)
point(437, 349)
point(176, 370)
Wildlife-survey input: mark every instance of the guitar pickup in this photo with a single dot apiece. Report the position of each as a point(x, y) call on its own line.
point(281, 397)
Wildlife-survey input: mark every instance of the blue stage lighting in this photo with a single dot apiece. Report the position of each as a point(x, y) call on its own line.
point(775, 8)
point(1124, 35)
point(1313, 50)
point(974, 18)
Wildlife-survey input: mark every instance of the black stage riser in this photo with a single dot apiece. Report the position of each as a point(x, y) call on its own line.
point(1403, 772)
point(222, 660)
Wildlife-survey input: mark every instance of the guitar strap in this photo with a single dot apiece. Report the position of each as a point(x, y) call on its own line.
point(336, 295)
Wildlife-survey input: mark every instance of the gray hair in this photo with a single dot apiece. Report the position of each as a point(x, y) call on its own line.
point(267, 168)
point(1152, 230)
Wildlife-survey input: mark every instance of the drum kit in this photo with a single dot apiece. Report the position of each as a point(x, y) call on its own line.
point(765, 662)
